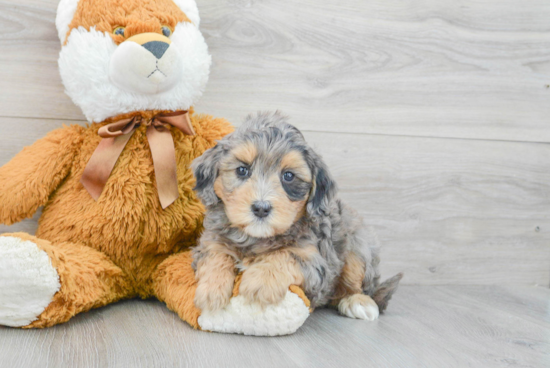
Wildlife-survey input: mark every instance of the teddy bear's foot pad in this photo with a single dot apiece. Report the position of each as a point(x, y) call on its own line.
point(250, 319)
point(28, 281)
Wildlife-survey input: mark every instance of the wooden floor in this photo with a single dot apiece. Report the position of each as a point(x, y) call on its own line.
point(425, 326)
point(434, 117)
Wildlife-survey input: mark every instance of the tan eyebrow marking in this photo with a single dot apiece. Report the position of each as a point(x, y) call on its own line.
point(245, 152)
point(294, 161)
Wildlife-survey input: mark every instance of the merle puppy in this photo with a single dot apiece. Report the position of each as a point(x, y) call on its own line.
point(272, 212)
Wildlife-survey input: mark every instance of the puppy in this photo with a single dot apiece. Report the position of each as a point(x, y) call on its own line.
point(272, 212)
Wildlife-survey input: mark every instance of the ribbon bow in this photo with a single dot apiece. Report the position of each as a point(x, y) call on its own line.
point(115, 137)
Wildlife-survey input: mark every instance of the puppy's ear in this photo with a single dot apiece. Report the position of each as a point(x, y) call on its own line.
point(205, 169)
point(324, 187)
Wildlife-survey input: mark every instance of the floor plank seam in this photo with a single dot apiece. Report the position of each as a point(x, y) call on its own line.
point(329, 132)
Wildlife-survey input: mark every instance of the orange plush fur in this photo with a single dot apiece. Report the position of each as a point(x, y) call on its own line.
point(122, 246)
point(137, 16)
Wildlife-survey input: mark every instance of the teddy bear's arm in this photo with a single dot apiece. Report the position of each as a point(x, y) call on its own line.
point(27, 181)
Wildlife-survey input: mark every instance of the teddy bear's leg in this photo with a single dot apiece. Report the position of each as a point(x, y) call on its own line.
point(43, 284)
point(174, 283)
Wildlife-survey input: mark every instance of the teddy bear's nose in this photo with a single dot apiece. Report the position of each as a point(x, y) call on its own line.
point(156, 48)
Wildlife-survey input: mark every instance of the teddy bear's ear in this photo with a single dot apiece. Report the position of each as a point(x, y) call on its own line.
point(65, 14)
point(189, 7)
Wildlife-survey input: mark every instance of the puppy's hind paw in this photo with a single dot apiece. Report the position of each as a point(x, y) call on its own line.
point(359, 306)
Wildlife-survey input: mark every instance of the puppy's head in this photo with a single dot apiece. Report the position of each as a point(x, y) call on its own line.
point(266, 176)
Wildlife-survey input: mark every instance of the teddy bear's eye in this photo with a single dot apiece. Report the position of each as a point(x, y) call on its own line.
point(119, 31)
point(166, 31)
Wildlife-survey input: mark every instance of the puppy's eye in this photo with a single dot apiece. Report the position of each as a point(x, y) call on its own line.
point(288, 176)
point(166, 31)
point(242, 171)
point(119, 31)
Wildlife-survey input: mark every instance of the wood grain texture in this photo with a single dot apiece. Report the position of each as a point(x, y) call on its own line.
point(441, 326)
point(447, 211)
point(432, 68)
point(425, 68)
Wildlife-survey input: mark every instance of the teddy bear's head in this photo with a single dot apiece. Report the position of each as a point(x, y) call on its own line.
point(120, 56)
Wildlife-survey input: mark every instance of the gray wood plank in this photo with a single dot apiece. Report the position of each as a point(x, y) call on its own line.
point(29, 48)
point(435, 327)
point(425, 326)
point(433, 68)
point(430, 68)
point(448, 211)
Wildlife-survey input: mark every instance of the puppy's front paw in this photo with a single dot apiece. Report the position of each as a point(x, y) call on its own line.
point(359, 306)
point(263, 286)
point(213, 296)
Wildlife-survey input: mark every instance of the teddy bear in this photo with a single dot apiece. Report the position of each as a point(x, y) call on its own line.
point(119, 212)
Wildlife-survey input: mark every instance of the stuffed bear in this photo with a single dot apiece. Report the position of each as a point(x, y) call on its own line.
point(119, 210)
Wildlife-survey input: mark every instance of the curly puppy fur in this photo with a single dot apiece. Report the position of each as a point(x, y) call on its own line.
point(282, 229)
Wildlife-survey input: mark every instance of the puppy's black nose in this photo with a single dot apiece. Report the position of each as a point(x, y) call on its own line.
point(261, 209)
point(156, 48)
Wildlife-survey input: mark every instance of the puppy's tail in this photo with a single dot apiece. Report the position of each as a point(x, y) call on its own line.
point(385, 290)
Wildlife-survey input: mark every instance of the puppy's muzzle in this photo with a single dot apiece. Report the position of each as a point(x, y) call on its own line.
point(261, 209)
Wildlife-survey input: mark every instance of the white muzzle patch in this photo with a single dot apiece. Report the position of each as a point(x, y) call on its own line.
point(150, 68)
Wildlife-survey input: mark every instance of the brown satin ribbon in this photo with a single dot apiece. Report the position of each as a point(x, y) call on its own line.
point(115, 137)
